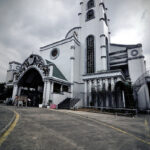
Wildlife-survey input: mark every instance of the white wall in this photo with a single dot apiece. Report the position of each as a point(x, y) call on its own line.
point(58, 98)
point(136, 66)
point(92, 27)
point(63, 60)
point(143, 98)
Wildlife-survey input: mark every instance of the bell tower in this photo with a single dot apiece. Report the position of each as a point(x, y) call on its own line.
point(94, 36)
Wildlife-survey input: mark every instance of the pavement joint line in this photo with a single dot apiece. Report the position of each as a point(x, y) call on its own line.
point(109, 126)
point(11, 127)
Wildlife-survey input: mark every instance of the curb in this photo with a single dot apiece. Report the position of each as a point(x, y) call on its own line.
point(8, 125)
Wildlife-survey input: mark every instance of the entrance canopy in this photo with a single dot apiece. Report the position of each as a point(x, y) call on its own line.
point(32, 79)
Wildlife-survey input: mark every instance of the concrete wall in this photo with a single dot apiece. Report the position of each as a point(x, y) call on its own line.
point(58, 98)
point(63, 61)
point(143, 98)
point(136, 64)
point(13, 66)
point(94, 27)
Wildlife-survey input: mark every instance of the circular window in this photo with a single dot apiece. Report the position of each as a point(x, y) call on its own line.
point(134, 53)
point(54, 53)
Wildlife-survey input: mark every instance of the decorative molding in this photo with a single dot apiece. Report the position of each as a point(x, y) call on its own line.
point(72, 30)
point(72, 58)
point(119, 62)
point(57, 55)
point(102, 19)
point(103, 5)
point(78, 82)
point(102, 35)
point(119, 57)
point(134, 52)
point(64, 41)
point(33, 61)
point(14, 62)
point(127, 46)
point(103, 57)
point(139, 57)
point(104, 75)
point(118, 52)
point(103, 46)
point(72, 47)
point(81, 3)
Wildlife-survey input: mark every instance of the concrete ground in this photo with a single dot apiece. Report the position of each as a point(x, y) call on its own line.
point(43, 129)
point(5, 117)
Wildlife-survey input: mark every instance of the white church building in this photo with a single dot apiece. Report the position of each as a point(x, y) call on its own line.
point(84, 69)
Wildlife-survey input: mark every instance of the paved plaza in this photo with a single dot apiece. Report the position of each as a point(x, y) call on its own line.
point(43, 129)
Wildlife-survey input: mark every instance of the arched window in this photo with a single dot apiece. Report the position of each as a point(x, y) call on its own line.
point(90, 4)
point(90, 54)
point(90, 15)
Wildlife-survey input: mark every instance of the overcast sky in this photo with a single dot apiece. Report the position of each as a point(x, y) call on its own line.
point(26, 25)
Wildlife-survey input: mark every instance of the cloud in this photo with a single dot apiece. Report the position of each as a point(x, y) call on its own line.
point(130, 21)
point(27, 25)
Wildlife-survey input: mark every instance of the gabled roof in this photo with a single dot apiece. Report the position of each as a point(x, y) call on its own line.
point(56, 72)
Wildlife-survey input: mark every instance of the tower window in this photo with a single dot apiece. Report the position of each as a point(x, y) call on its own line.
point(90, 4)
point(90, 15)
point(90, 54)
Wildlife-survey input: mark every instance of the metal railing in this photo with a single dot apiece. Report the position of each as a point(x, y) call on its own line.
point(117, 111)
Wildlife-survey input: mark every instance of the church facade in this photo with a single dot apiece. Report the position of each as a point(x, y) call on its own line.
point(84, 67)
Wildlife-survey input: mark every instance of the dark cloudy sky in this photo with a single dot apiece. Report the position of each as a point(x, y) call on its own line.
point(26, 25)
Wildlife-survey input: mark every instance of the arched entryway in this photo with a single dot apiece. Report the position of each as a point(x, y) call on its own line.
point(31, 85)
point(124, 95)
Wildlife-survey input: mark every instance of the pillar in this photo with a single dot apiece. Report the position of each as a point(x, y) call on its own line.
point(123, 98)
point(61, 89)
point(72, 76)
point(101, 84)
point(89, 91)
point(112, 91)
point(95, 96)
point(106, 88)
point(46, 92)
point(15, 91)
point(51, 70)
point(85, 93)
point(52, 91)
point(19, 91)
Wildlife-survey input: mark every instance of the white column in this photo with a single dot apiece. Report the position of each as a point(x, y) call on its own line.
point(95, 84)
point(112, 84)
point(85, 93)
point(89, 92)
point(106, 88)
point(124, 101)
point(52, 91)
point(47, 92)
point(96, 88)
point(51, 70)
point(101, 84)
point(61, 89)
point(106, 84)
point(15, 91)
point(112, 90)
point(72, 76)
point(19, 91)
point(44, 92)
